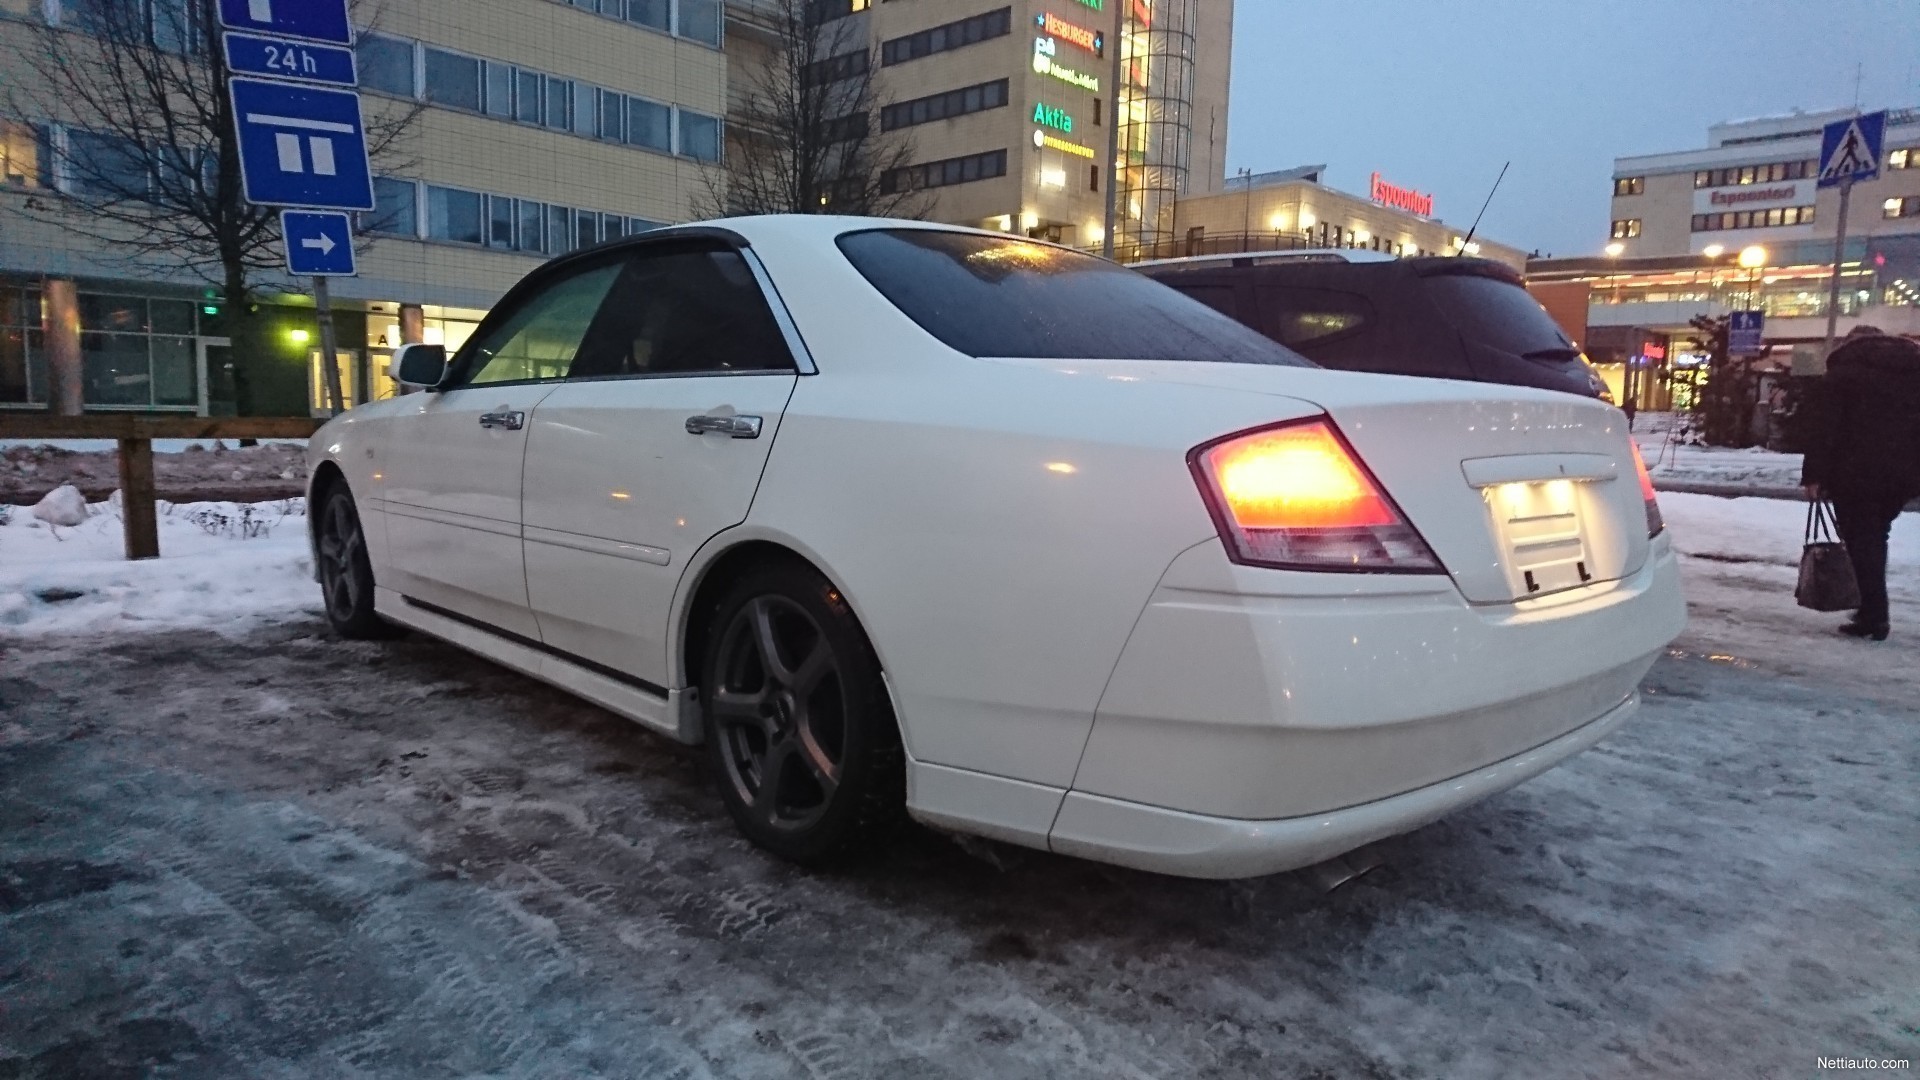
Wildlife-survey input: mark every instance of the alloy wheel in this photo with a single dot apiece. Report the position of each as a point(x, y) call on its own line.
point(341, 542)
point(780, 714)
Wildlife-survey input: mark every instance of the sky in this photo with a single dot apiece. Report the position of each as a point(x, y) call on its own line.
point(1437, 94)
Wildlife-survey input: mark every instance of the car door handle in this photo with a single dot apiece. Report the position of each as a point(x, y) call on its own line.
point(512, 421)
point(738, 427)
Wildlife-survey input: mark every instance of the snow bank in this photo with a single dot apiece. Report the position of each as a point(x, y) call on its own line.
point(223, 566)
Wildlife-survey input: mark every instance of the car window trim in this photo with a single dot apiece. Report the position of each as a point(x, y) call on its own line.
point(770, 293)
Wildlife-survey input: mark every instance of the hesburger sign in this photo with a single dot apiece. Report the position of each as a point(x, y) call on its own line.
point(1072, 33)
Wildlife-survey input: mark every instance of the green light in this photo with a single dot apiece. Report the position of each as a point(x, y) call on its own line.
point(298, 337)
point(209, 309)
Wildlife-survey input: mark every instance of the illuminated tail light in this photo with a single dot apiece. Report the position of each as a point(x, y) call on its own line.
point(1296, 497)
point(1655, 523)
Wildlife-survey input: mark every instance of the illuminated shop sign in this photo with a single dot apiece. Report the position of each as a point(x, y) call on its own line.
point(1044, 51)
point(1094, 4)
point(1042, 139)
point(1050, 116)
point(1413, 202)
point(1073, 33)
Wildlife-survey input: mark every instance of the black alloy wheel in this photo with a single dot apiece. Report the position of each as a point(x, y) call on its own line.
point(346, 574)
point(797, 719)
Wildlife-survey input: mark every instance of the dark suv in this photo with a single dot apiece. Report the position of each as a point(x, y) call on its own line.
point(1447, 318)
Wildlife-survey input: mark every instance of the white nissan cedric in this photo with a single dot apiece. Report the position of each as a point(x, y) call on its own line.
point(902, 518)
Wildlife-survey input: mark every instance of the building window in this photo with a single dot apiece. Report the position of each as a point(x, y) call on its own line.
point(529, 95)
point(23, 358)
point(649, 124)
point(824, 11)
point(655, 14)
point(106, 167)
point(700, 20)
point(1629, 185)
point(501, 220)
point(532, 232)
point(954, 35)
point(969, 99)
point(1096, 112)
point(1771, 173)
point(834, 69)
point(499, 86)
point(385, 64)
point(453, 79)
point(699, 136)
point(1899, 208)
point(454, 215)
point(1093, 178)
point(933, 174)
point(1904, 158)
point(395, 211)
point(559, 98)
point(23, 155)
point(1753, 219)
point(1626, 228)
point(137, 353)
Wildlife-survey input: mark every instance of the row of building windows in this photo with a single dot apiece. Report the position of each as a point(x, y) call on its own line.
point(1753, 219)
point(695, 20)
point(1771, 173)
point(1629, 185)
point(933, 174)
point(954, 35)
point(456, 216)
point(1626, 228)
point(1899, 208)
point(835, 69)
point(135, 352)
point(969, 99)
point(104, 167)
point(423, 72)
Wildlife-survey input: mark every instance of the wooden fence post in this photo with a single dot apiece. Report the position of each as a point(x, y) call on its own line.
point(136, 499)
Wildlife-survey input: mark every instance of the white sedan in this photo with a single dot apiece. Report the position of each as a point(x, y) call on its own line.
point(896, 517)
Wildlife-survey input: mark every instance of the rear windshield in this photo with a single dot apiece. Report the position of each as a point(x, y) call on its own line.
point(988, 296)
point(1501, 315)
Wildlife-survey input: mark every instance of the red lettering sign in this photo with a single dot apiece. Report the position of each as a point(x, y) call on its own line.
point(1413, 202)
point(1078, 35)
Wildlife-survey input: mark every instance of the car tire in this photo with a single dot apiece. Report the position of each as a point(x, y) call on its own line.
point(806, 747)
point(346, 573)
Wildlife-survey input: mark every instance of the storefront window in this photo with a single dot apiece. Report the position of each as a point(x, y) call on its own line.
point(23, 379)
point(138, 353)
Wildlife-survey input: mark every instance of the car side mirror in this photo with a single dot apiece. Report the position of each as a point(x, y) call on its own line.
point(419, 365)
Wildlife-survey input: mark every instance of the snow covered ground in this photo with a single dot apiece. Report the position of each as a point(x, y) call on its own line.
point(243, 848)
point(223, 566)
point(1672, 458)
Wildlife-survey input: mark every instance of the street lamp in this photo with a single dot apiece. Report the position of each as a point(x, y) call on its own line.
point(1614, 249)
point(1753, 257)
point(1713, 251)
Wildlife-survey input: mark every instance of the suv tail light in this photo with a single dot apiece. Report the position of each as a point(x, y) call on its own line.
point(1296, 497)
point(1656, 524)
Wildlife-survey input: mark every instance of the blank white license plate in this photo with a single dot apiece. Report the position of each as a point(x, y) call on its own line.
point(1541, 535)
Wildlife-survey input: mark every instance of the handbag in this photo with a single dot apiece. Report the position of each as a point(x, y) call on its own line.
point(1826, 573)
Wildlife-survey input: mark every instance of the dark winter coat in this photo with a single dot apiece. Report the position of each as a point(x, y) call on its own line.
point(1863, 431)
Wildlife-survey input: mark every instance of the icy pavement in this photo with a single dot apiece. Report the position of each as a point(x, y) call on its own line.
point(278, 855)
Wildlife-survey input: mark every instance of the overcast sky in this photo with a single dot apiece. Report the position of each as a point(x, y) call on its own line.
point(1436, 94)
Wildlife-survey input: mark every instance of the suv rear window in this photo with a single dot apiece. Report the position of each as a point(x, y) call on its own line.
point(989, 296)
point(1500, 314)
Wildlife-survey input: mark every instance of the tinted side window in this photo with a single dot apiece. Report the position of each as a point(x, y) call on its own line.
point(1295, 316)
point(1221, 298)
point(986, 295)
point(684, 312)
point(539, 338)
point(1500, 314)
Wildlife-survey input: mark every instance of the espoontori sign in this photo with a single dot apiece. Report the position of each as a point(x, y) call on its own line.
point(1413, 202)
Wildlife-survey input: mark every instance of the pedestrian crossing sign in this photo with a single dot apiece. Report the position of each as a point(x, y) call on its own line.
point(1850, 149)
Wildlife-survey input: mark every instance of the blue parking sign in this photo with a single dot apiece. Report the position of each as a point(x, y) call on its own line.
point(303, 61)
point(301, 146)
point(1746, 331)
point(317, 20)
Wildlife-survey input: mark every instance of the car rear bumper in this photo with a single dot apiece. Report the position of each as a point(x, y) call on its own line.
point(1243, 695)
point(1196, 845)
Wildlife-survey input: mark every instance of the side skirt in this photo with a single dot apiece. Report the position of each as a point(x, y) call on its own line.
point(673, 713)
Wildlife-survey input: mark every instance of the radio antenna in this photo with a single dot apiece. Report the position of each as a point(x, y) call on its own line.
point(1483, 209)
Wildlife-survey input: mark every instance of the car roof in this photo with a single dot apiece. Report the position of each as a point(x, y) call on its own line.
point(1268, 258)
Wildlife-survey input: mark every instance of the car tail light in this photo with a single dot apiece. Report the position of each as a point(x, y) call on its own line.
point(1295, 496)
point(1656, 524)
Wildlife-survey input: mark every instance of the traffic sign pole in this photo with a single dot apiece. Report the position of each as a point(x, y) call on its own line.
point(1839, 253)
point(329, 354)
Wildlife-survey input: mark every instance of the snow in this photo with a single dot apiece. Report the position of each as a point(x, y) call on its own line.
point(64, 506)
point(223, 566)
point(1672, 458)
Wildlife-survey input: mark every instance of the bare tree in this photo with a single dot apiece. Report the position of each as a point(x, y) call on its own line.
point(805, 134)
point(150, 159)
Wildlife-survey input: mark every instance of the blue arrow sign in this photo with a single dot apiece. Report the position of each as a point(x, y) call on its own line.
point(1746, 331)
point(318, 20)
point(1850, 149)
point(301, 146)
point(275, 58)
point(319, 243)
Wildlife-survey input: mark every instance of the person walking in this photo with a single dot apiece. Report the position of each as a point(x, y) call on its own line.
point(1863, 456)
